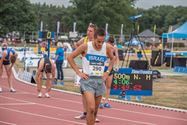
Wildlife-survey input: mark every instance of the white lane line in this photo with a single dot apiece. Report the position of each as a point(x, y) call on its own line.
point(5, 104)
point(109, 117)
point(134, 121)
point(7, 123)
point(19, 100)
point(130, 111)
point(148, 114)
point(39, 115)
point(71, 110)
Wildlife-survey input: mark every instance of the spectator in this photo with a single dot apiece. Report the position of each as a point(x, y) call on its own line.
point(59, 60)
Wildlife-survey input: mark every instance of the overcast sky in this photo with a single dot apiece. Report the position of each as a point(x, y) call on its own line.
point(141, 3)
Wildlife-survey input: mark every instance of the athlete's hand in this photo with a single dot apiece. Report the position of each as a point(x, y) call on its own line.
point(105, 75)
point(83, 75)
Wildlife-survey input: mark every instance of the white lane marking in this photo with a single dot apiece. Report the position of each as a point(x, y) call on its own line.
point(71, 110)
point(44, 116)
point(19, 100)
point(8, 123)
point(109, 117)
point(148, 114)
point(4, 104)
point(142, 113)
point(122, 119)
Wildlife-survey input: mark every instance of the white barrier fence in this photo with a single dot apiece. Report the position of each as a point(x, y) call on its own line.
point(24, 75)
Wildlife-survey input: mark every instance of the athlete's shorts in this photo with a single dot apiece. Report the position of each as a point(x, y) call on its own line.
point(93, 84)
point(6, 62)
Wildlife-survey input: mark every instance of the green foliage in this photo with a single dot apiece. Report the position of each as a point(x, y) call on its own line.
point(21, 15)
point(113, 12)
point(16, 15)
point(163, 17)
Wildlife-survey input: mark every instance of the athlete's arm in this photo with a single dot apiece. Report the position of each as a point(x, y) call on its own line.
point(80, 50)
point(117, 56)
point(111, 57)
point(80, 42)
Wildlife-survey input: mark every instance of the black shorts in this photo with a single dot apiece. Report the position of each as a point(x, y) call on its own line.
point(6, 62)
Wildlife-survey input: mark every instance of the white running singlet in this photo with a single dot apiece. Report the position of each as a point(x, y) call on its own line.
point(94, 61)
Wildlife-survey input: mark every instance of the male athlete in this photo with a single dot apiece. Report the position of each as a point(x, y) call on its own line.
point(94, 58)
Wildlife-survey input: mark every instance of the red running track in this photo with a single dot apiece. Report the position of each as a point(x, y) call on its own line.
point(24, 108)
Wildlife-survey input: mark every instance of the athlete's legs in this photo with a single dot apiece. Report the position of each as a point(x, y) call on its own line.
point(1, 73)
point(9, 75)
point(48, 82)
point(108, 87)
point(97, 102)
point(90, 107)
point(39, 81)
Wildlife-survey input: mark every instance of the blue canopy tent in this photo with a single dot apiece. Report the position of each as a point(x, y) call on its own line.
point(180, 32)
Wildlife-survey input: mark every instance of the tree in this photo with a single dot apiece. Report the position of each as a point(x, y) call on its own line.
point(16, 15)
point(163, 16)
point(100, 12)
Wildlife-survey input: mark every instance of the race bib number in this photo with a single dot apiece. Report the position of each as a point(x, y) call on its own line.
point(96, 64)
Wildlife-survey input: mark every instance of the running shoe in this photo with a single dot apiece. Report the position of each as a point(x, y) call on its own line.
point(47, 95)
point(107, 105)
point(12, 90)
point(81, 116)
point(39, 95)
point(101, 106)
point(97, 120)
point(62, 83)
point(138, 98)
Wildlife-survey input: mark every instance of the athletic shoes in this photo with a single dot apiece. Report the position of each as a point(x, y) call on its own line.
point(12, 90)
point(81, 116)
point(47, 95)
point(101, 106)
point(62, 83)
point(97, 120)
point(39, 95)
point(107, 105)
point(1, 90)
